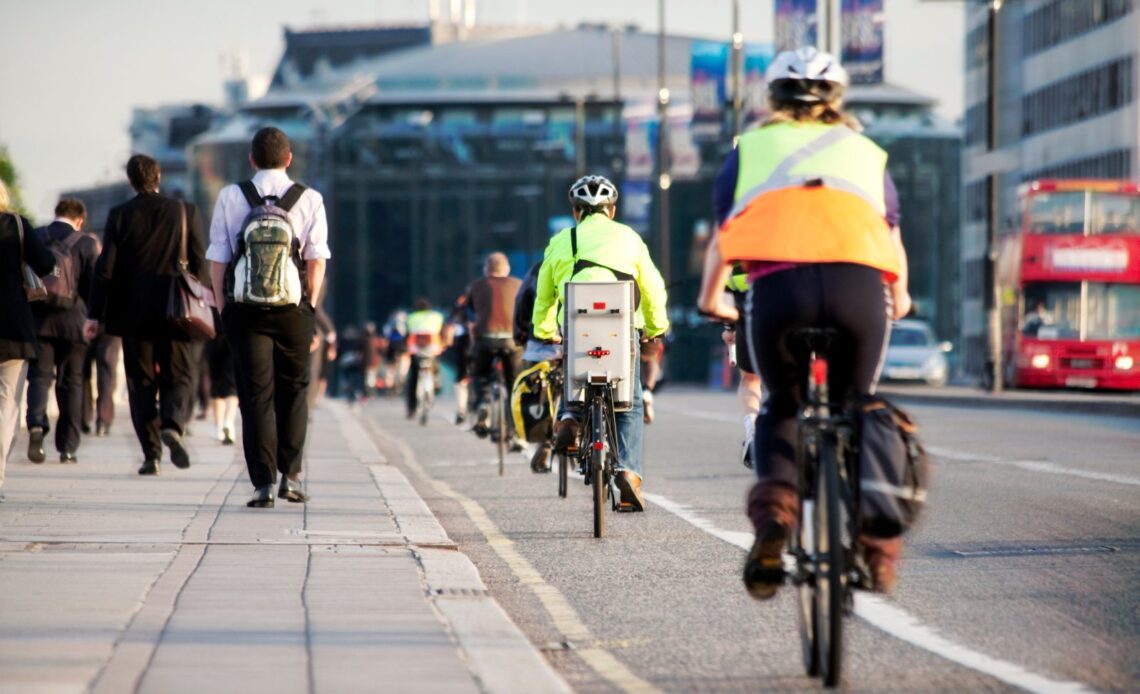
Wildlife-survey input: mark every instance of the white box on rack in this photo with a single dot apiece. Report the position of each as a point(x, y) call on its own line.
point(600, 339)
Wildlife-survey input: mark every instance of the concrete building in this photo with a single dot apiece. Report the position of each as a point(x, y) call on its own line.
point(1067, 77)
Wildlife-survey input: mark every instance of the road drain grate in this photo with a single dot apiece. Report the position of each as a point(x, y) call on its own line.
point(460, 593)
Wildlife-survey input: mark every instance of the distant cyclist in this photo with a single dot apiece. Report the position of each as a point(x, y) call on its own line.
point(459, 336)
point(492, 301)
point(813, 220)
point(605, 251)
point(425, 341)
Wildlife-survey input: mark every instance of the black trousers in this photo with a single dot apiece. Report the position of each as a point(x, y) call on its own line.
point(160, 374)
point(850, 298)
point(102, 358)
point(271, 363)
point(483, 355)
point(61, 361)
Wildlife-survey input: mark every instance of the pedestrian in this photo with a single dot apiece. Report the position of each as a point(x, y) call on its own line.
point(17, 325)
point(223, 386)
point(104, 353)
point(142, 243)
point(350, 364)
point(59, 328)
point(265, 292)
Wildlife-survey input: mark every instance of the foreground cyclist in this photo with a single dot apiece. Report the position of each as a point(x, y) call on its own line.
point(606, 251)
point(814, 222)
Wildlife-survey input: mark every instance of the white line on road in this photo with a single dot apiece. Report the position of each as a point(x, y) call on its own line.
point(896, 621)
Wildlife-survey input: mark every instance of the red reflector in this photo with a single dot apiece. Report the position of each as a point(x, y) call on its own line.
point(598, 353)
point(598, 445)
point(599, 306)
point(819, 372)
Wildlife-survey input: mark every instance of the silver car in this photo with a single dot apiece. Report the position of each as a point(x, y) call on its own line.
point(914, 355)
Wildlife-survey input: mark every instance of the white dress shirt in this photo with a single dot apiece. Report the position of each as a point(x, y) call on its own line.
point(231, 209)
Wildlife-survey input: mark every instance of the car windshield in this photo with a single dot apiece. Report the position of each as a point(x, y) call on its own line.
point(902, 336)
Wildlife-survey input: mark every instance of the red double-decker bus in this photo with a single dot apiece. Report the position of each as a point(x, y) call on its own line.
point(1071, 287)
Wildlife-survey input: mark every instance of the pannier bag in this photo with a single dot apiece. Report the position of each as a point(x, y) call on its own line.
point(267, 268)
point(531, 402)
point(894, 470)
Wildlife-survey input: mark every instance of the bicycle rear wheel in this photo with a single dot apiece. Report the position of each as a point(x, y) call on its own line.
point(500, 424)
point(563, 473)
point(598, 463)
point(830, 586)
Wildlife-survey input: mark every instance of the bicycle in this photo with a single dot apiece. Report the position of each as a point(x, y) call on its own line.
point(498, 426)
point(825, 548)
point(425, 387)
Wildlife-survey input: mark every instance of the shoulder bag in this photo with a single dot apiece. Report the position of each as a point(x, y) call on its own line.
point(188, 308)
point(34, 287)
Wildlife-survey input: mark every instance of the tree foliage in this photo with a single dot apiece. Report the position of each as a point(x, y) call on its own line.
point(11, 179)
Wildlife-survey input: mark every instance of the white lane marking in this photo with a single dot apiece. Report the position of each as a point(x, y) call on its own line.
point(1033, 466)
point(966, 457)
point(894, 620)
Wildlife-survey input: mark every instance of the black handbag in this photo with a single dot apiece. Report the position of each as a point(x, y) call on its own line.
point(34, 288)
point(190, 306)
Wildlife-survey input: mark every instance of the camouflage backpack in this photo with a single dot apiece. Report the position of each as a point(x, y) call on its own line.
point(267, 269)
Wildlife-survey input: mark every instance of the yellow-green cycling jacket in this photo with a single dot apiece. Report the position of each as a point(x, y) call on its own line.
point(605, 248)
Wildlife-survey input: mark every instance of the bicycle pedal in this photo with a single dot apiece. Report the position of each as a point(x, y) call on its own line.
point(626, 507)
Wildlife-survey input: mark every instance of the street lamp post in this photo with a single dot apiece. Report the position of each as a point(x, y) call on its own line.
point(737, 76)
point(993, 293)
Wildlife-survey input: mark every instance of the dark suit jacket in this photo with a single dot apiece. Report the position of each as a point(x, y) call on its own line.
point(17, 326)
point(68, 324)
point(138, 263)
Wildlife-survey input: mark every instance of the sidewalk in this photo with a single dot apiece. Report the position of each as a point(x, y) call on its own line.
point(111, 582)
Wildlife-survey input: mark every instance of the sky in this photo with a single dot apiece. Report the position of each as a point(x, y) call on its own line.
point(71, 71)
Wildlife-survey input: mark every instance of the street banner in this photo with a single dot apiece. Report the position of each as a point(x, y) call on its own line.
point(635, 205)
point(757, 57)
point(862, 40)
point(640, 147)
point(796, 24)
point(708, 73)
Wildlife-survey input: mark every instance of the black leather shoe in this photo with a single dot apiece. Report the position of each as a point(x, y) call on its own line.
point(67, 458)
point(291, 491)
point(262, 498)
point(178, 453)
point(36, 445)
point(150, 467)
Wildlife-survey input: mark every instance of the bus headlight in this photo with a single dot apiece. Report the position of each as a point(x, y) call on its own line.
point(1124, 362)
point(1039, 361)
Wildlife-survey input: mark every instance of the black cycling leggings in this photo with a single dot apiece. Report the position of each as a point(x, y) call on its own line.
point(851, 298)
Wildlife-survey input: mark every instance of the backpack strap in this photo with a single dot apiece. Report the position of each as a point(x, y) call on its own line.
point(251, 195)
point(291, 196)
point(581, 264)
point(72, 239)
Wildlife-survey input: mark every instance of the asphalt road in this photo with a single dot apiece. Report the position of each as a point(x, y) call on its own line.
point(1025, 573)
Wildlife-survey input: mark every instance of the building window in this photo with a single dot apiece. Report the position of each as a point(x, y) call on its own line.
point(1115, 164)
point(977, 121)
point(1061, 20)
point(1076, 98)
point(977, 47)
point(975, 194)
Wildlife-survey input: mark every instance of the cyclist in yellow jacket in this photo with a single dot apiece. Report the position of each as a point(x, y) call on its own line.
point(599, 249)
point(811, 221)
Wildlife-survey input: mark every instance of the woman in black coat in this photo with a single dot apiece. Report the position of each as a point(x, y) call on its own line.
point(17, 327)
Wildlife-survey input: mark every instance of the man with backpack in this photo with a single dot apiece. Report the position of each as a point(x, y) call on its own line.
point(269, 244)
point(59, 327)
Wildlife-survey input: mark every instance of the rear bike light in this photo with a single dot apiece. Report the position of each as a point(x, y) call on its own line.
point(598, 445)
point(598, 353)
point(819, 371)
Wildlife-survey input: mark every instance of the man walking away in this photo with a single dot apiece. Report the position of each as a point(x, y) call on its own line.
point(269, 244)
point(59, 327)
point(133, 276)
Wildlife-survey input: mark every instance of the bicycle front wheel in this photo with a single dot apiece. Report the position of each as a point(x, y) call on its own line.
point(563, 474)
point(830, 586)
point(805, 553)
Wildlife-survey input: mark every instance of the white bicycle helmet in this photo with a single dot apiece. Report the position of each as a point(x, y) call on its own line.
point(806, 75)
point(593, 191)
